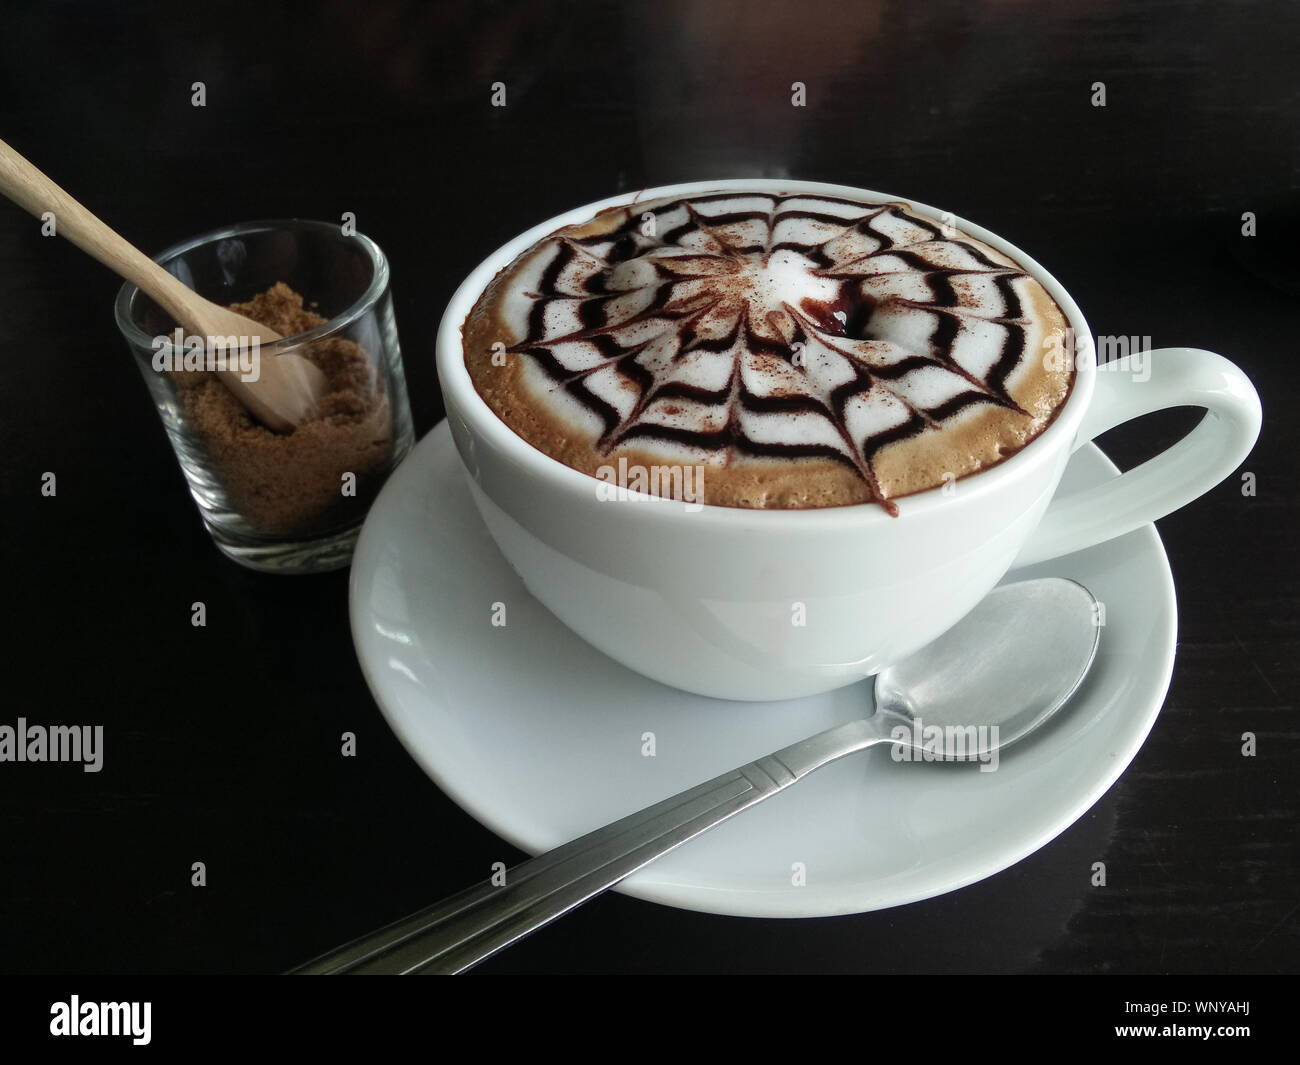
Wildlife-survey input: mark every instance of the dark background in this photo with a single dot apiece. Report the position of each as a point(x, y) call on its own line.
point(222, 743)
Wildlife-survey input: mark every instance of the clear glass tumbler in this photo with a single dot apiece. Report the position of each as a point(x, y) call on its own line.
point(282, 502)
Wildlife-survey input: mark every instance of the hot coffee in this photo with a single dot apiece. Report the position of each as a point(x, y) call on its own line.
point(805, 350)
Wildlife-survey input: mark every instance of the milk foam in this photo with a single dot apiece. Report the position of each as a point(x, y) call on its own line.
point(741, 327)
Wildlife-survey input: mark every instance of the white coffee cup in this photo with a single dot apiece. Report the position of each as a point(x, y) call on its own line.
point(775, 604)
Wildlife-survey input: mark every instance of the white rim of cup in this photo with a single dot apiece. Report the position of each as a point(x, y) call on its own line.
point(454, 374)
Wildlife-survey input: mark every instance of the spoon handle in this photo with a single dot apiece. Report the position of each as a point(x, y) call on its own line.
point(461, 931)
point(28, 187)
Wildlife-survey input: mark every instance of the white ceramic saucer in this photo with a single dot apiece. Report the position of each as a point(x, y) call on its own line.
point(541, 738)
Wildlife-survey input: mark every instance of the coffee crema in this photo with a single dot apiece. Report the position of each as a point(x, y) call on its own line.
point(806, 350)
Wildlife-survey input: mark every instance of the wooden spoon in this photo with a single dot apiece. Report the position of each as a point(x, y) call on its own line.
point(288, 386)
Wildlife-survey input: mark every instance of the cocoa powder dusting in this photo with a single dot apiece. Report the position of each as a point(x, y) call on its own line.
point(291, 484)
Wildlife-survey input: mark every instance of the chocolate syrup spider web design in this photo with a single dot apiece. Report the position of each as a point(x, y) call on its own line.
point(774, 326)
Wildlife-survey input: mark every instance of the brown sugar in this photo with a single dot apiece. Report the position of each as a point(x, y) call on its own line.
point(293, 484)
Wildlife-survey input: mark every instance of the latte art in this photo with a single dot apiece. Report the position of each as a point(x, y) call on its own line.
point(806, 350)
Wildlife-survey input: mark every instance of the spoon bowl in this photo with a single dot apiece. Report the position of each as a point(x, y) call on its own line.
point(998, 674)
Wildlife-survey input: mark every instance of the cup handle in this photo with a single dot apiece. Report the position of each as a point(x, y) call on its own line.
point(1179, 377)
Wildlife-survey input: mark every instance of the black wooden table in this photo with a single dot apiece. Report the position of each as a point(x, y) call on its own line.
point(222, 743)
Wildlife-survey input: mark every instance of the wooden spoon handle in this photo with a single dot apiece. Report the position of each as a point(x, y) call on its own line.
point(285, 392)
point(36, 194)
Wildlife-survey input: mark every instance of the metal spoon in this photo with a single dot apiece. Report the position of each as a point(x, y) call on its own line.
point(989, 681)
